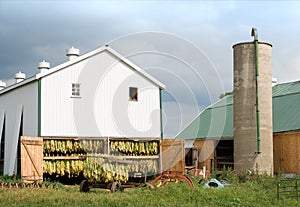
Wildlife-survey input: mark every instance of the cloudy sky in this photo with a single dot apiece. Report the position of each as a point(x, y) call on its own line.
point(185, 44)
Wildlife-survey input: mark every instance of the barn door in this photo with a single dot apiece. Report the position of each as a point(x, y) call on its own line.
point(32, 159)
point(173, 159)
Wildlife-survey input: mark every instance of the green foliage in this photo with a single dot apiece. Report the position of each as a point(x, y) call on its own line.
point(5, 181)
point(11, 179)
point(246, 189)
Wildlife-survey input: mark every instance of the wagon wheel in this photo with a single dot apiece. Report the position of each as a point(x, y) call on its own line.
point(163, 179)
point(116, 186)
point(84, 186)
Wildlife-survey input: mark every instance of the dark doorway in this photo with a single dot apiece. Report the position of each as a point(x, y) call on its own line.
point(224, 154)
point(19, 147)
point(191, 157)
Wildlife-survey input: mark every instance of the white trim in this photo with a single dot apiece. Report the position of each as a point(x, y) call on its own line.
point(16, 85)
point(136, 68)
point(81, 58)
point(97, 51)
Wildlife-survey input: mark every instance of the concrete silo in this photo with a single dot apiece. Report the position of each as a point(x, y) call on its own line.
point(253, 137)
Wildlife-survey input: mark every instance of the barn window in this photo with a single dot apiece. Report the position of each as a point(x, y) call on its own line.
point(76, 89)
point(133, 94)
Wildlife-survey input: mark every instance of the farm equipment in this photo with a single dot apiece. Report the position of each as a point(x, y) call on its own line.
point(110, 163)
point(112, 173)
point(166, 177)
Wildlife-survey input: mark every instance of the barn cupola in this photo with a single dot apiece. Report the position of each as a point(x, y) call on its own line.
point(20, 77)
point(72, 53)
point(2, 85)
point(43, 66)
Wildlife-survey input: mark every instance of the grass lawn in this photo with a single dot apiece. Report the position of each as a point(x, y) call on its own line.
point(255, 192)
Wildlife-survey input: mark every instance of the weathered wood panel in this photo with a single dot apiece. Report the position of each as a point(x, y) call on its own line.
point(286, 152)
point(205, 153)
point(31, 159)
point(173, 158)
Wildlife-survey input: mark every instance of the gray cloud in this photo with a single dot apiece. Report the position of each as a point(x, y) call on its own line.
point(31, 31)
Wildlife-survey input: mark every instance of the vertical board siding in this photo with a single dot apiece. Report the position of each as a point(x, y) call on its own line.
point(31, 159)
point(205, 153)
point(11, 159)
point(173, 157)
point(13, 103)
point(287, 152)
point(103, 108)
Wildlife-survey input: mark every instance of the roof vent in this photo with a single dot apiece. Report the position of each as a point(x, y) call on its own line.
point(72, 53)
point(20, 76)
point(43, 66)
point(2, 85)
point(274, 81)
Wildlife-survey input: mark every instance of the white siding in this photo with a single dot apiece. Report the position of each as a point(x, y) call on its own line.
point(104, 108)
point(1, 123)
point(13, 103)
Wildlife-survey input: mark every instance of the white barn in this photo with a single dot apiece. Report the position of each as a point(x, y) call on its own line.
point(98, 94)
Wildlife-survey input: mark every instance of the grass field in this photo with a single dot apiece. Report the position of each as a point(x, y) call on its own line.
point(255, 192)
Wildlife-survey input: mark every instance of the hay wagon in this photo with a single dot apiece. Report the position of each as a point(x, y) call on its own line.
point(95, 162)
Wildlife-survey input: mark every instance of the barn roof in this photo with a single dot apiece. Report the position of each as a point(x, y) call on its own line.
point(81, 58)
point(286, 103)
point(217, 120)
point(213, 122)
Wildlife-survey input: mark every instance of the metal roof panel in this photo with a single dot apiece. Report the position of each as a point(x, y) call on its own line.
point(286, 114)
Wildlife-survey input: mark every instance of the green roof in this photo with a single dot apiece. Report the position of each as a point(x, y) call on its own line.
point(213, 122)
point(286, 103)
point(286, 89)
point(217, 120)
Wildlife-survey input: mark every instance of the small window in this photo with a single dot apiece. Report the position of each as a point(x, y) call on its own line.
point(76, 89)
point(133, 94)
